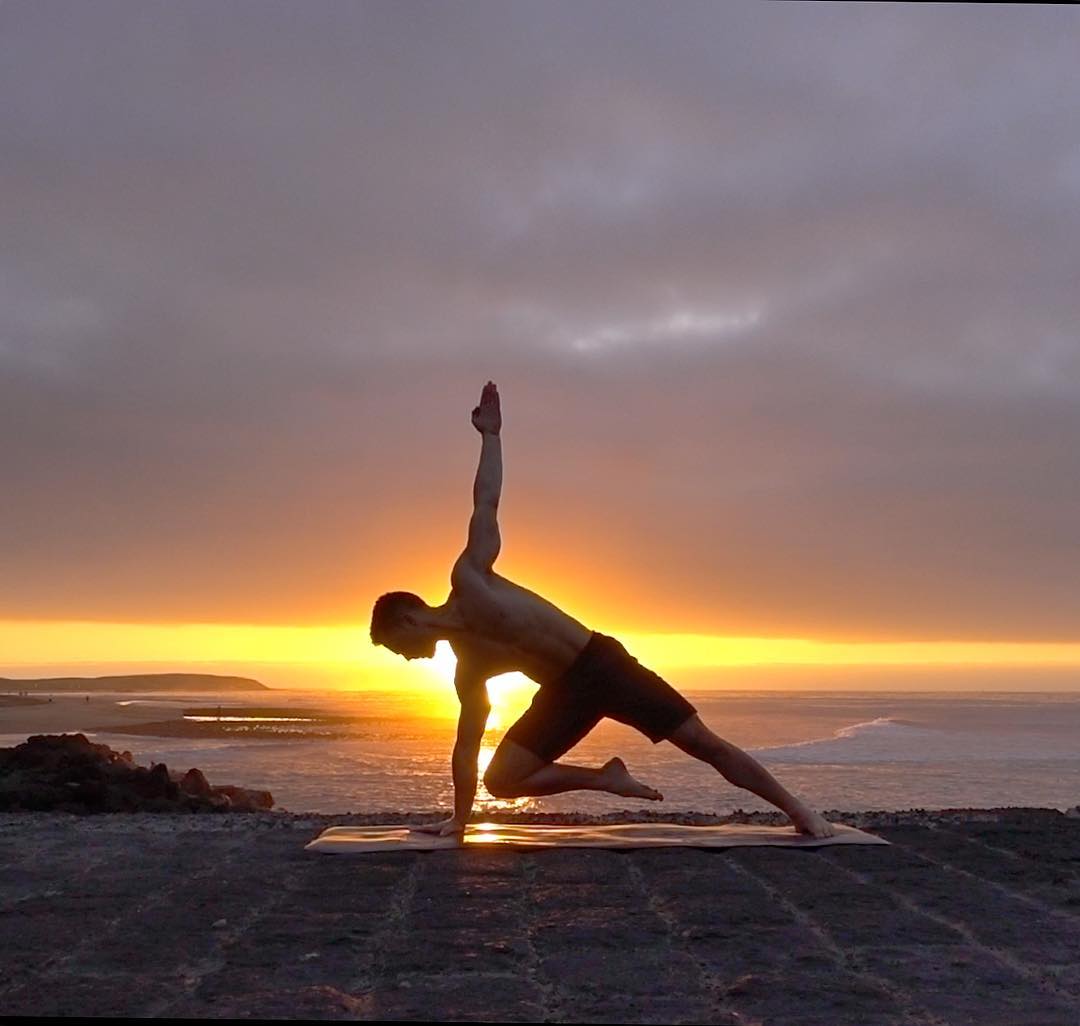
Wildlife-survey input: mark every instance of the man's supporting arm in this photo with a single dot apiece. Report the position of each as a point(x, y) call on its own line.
point(471, 723)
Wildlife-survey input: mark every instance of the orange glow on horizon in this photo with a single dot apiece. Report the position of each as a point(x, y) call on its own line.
point(180, 647)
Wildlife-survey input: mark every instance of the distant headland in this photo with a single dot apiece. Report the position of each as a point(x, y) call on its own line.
point(134, 682)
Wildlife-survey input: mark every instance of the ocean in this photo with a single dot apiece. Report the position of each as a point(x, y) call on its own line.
point(837, 750)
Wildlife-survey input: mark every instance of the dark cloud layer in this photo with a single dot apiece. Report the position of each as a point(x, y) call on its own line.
point(782, 301)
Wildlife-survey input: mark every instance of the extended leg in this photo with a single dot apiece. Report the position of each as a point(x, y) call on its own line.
point(743, 770)
point(515, 772)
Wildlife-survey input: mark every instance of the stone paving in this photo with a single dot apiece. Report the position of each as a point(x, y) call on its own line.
point(960, 921)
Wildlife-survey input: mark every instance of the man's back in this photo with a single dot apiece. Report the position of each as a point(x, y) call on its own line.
point(510, 627)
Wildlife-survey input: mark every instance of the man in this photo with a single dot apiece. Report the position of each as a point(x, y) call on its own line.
point(495, 626)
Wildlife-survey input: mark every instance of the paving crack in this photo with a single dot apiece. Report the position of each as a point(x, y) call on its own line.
point(194, 973)
point(711, 982)
point(1027, 899)
point(59, 966)
point(379, 975)
point(914, 1014)
point(549, 999)
point(1029, 972)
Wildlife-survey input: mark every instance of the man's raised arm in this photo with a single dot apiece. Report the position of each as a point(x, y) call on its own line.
point(488, 484)
point(484, 541)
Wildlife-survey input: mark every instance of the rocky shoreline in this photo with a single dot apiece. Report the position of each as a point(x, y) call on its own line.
point(69, 773)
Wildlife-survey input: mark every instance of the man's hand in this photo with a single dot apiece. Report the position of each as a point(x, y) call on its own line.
point(487, 417)
point(442, 829)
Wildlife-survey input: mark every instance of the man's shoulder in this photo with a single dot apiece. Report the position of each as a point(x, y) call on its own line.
point(466, 574)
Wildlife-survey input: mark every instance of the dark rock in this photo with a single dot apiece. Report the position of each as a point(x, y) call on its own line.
point(193, 782)
point(245, 799)
point(69, 773)
point(91, 793)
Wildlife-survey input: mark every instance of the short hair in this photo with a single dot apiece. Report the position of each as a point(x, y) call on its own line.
point(387, 612)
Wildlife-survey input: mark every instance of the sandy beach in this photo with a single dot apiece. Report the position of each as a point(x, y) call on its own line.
point(70, 713)
point(969, 917)
point(163, 715)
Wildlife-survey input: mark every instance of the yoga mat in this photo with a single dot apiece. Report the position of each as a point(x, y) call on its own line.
point(359, 840)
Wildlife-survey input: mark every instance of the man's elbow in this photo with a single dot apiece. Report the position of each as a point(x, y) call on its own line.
point(484, 541)
point(483, 557)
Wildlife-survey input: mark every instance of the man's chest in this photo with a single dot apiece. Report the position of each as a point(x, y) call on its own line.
point(488, 655)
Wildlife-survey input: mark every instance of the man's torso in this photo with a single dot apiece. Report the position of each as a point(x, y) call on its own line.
point(509, 627)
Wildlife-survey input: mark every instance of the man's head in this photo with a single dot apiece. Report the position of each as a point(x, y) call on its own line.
point(398, 623)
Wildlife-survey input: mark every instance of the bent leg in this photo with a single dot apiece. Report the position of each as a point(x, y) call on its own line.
point(515, 772)
point(512, 765)
point(558, 718)
point(743, 770)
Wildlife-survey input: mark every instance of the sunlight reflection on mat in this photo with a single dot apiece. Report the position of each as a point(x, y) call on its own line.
point(348, 840)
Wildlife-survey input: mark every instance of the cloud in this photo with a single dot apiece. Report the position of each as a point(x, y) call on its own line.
point(780, 299)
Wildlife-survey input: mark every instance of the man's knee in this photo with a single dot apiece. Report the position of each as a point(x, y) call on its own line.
point(499, 785)
point(509, 767)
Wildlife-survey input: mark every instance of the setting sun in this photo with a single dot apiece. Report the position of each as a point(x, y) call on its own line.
point(443, 664)
point(509, 693)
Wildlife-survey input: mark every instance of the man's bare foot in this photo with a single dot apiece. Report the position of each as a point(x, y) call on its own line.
point(807, 821)
point(617, 780)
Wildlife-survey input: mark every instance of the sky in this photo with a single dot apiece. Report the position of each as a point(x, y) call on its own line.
point(781, 300)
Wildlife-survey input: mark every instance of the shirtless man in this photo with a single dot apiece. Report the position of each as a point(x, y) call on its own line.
point(495, 626)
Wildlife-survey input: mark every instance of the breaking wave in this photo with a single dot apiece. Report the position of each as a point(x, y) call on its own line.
point(892, 739)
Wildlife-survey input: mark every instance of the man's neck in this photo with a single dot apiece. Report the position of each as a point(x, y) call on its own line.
point(446, 620)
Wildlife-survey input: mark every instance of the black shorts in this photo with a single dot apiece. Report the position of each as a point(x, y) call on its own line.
point(604, 680)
